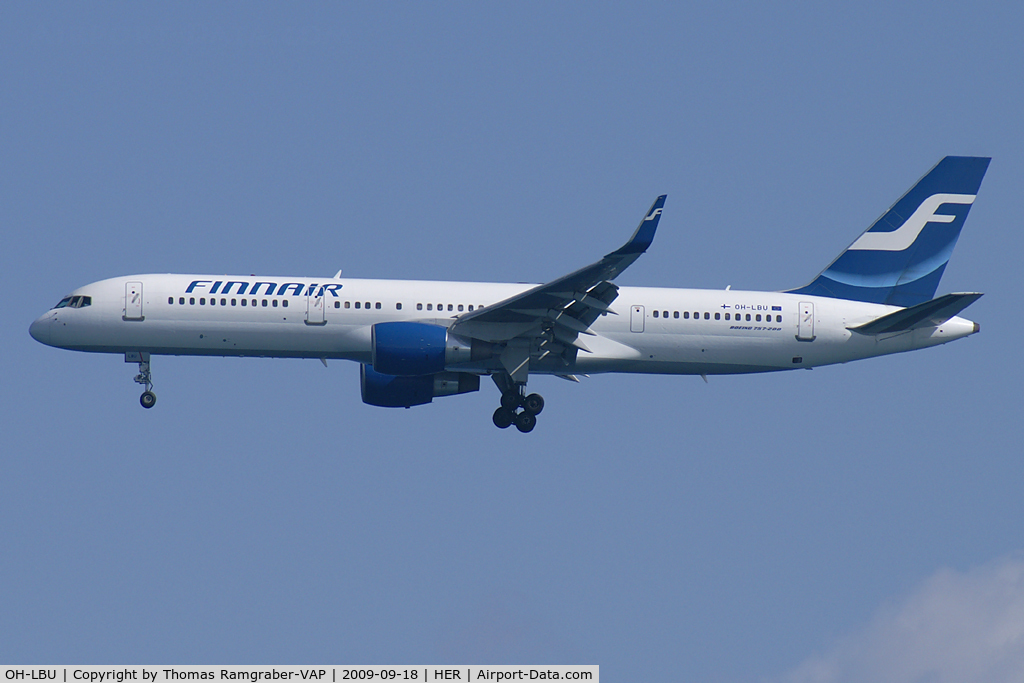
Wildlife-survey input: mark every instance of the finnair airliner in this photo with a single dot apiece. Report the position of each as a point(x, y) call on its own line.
point(418, 340)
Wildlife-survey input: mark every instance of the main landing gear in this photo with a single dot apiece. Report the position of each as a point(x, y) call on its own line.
point(145, 378)
point(512, 399)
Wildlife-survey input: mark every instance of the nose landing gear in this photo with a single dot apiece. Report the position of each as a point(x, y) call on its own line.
point(145, 378)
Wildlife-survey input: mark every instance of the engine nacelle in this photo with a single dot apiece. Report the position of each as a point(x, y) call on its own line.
point(415, 349)
point(391, 391)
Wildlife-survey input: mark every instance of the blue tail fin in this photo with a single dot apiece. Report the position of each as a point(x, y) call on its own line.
point(899, 260)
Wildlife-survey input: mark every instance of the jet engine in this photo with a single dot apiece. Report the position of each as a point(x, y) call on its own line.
point(416, 349)
point(392, 391)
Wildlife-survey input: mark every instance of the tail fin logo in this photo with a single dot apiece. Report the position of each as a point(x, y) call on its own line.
point(906, 234)
point(653, 214)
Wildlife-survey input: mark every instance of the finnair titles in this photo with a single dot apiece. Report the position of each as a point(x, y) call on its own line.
point(419, 340)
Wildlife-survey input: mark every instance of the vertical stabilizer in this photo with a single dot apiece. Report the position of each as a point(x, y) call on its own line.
point(900, 259)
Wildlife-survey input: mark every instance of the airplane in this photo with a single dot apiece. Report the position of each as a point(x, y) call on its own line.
point(420, 340)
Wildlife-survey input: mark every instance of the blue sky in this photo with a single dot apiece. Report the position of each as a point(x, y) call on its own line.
point(773, 527)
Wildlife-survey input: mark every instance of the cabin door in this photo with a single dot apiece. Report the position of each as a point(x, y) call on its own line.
point(315, 308)
point(636, 319)
point(133, 301)
point(805, 329)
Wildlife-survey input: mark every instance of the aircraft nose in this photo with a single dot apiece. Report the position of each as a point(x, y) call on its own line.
point(40, 329)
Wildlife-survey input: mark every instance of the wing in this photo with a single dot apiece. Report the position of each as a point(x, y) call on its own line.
point(543, 324)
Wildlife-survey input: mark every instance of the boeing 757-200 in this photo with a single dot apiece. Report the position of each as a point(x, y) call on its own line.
point(418, 340)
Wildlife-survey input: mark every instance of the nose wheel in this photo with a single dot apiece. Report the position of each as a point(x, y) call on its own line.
point(145, 378)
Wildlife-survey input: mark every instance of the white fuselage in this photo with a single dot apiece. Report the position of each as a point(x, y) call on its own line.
point(648, 330)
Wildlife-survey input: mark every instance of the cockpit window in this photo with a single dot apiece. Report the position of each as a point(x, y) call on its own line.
point(75, 302)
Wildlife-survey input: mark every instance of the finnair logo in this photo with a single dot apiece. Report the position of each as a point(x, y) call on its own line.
point(652, 215)
point(904, 236)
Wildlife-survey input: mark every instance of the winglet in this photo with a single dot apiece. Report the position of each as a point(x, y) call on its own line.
point(644, 235)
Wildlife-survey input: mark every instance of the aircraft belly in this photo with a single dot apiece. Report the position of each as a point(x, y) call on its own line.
point(271, 339)
point(694, 354)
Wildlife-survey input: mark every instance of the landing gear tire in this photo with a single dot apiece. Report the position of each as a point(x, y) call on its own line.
point(526, 421)
point(145, 377)
point(534, 403)
point(511, 401)
point(503, 418)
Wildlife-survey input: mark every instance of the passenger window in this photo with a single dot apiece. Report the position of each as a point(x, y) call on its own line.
point(170, 300)
point(460, 307)
point(223, 302)
point(245, 301)
point(234, 302)
point(726, 316)
point(686, 315)
point(398, 306)
point(254, 303)
point(430, 307)
point(778, 318)
point(718, 316)
point(757, 317)
point(274, 303)
point(348, 304)
point(707, 316)
point(655, 314)
point(191, 301)
point(264, 303)
point(675, 314)
point(748, 317)
point(358, 304)
point(284, 302)
point(337, 304)
point(181, 300)
point(202, 301)
point(451, 307)
point(366, 305)
point(471, 307)
point(419, 307)
point(377, 306)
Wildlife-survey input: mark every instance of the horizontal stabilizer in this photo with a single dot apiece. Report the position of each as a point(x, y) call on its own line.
point(928, 314)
